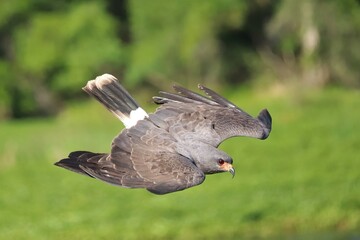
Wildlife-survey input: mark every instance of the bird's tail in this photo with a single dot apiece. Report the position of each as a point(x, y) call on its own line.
point(108, 91)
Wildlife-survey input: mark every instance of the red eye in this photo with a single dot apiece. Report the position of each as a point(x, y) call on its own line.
point(221, 162)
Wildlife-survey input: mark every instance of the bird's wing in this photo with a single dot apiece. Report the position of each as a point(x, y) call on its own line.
point(141, 157)
point(210, 119)
point(116, 170)
point(154, 159)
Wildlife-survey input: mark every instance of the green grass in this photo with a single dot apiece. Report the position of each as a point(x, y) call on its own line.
point(303, 182)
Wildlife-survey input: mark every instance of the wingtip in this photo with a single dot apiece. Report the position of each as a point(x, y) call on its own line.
point(265, 118)
point(58, 163)
point(71, 162)
point(64, 163)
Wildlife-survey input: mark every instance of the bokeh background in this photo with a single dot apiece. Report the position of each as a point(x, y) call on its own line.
point(299, 59)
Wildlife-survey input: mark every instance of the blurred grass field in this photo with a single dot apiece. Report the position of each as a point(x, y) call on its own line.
point(301, 183)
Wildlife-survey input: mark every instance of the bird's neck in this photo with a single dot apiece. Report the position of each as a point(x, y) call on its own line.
point(197, 152)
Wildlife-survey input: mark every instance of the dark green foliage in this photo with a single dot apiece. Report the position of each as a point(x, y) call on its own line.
point(314, 42)
point(49, 49)
point(53, 51)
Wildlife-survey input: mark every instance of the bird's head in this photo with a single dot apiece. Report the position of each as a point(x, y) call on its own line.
point(217, 161)
point(226, 166)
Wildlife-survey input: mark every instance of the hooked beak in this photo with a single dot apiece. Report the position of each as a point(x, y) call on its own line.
point(232, 171)
point(229, 168)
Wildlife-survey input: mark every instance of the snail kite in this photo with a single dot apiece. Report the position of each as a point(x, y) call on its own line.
point(169, 150)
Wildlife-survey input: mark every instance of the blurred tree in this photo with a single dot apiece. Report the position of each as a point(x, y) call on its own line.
point(53, 53)
point(239, 44)
point(315, 42)
point(48, 49)
point(5, 96)
point(177, 40)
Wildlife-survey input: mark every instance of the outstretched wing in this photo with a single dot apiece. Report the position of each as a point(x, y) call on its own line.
point(212, 119)
point(141, 157)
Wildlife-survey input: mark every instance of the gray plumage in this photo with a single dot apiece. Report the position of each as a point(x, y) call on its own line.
point(171, 149)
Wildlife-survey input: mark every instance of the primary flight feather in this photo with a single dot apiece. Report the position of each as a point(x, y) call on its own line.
point(169, 150)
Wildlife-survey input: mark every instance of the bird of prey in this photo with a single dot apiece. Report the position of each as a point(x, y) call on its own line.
point(169, 150)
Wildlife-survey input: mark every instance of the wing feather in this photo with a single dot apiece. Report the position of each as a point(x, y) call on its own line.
point(226, 119)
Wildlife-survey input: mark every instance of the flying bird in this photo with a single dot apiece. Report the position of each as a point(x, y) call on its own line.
point(171, 149)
